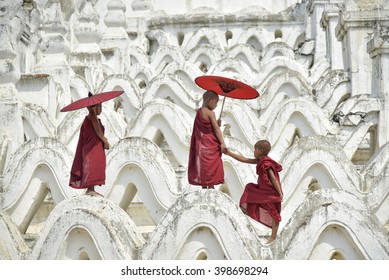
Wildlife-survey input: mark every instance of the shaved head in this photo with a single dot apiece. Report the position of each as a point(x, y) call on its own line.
point(209, 94)
point(263, 145)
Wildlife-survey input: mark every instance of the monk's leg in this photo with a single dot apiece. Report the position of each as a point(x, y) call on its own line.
point(208, 187)
point(91, 191)
point(274, 228)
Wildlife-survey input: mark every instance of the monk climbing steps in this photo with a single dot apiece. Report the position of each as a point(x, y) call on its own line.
point(262, 201)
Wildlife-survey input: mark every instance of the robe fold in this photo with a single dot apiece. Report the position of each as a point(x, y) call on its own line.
point(205, 165)
point(261, 200)
point(89, 162)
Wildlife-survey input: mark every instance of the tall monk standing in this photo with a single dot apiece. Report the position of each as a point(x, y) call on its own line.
point(262, 201)
point(205, 167)
point(89, 164)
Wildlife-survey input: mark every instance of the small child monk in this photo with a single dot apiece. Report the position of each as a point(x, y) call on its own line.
point(89, 164)
point(205, 167)
point(262, 201)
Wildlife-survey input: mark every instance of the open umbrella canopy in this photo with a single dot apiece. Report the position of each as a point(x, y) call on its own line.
point(91, 100)
point(227, 87)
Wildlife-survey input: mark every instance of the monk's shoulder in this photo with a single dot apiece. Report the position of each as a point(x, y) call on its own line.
point(207, 114)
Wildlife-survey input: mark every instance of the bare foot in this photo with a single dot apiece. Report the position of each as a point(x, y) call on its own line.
point(271, 240)
point(93, 193)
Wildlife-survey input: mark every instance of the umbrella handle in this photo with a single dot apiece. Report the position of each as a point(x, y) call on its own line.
point(221, 111)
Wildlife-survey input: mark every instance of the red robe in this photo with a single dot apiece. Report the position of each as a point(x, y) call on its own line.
point(261, 200)
point(205, 165)
point(89, 162)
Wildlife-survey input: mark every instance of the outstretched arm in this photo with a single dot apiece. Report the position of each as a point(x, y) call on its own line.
point(241, 158)
point(275, 183)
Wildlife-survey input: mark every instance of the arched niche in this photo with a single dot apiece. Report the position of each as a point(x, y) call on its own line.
point(255, 43)
point(132, 189)
point(288, 89)
point(37, 201)
point(301, 122)
point(79, 245)
point(202, 255)
point(336, 243)
point(201, 243)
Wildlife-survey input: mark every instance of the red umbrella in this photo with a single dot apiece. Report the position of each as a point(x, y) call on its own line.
point(226, 87)
point(91, 100)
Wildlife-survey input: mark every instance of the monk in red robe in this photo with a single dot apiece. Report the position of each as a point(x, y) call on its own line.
point(205, 167)
point(262, 201)
point(89, 164)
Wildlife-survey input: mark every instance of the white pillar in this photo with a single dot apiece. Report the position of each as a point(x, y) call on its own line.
point(328, 21)
point(86, 59)
point(11, 126)
point(353, 31)
point(378, 49)
point(315, 9)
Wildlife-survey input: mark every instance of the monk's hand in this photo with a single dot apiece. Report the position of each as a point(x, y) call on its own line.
point(106, 144)
point(223, 148)
point(219, 122)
